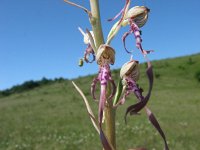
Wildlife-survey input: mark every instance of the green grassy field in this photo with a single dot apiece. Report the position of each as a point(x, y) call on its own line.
point(53, 117)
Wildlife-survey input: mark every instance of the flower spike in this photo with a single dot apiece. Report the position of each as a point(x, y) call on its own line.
point(135, 17)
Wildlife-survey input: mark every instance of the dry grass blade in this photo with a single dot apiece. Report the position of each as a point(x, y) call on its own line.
point(89, 110)
point(79, 6)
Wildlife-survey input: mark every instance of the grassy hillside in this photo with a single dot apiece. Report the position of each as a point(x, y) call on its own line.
point(53, 116)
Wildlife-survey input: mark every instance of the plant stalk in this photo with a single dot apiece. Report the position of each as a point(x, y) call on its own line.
point(109, 111)
point(95, 21)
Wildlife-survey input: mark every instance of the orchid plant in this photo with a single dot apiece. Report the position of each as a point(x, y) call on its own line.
point(112, 96)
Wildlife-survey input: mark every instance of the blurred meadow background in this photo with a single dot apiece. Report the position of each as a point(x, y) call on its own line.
point(50, 114)
point(40, 46)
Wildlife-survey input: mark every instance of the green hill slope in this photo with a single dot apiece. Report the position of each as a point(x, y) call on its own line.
point(53, 116)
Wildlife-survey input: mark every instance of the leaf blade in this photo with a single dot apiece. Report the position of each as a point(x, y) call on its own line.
point(89, 110)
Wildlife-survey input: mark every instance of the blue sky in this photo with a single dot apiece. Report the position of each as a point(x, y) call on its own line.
point(40, 38)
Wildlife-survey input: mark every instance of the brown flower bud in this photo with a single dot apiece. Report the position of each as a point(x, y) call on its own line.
point(105, 53)
point(130, 69)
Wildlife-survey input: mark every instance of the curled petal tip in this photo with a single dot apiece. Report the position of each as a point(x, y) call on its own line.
point(82, 32)
point(124, 40)
point(93, 88)
point(113, 89)
point(145, 52)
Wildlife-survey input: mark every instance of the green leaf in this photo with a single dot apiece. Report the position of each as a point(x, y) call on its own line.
point(118, 92)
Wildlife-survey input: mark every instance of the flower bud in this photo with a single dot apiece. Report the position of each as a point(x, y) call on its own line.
point(80, 63)
point(139, 14)
point(86, 38)
point(105, 53)
point(130, 69)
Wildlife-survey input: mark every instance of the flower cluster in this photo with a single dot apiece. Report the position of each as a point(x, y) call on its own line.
point(135, 18)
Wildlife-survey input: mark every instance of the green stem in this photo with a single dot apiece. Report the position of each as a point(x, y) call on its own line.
point(99, 39)
point(110, 123)
point(96, 23)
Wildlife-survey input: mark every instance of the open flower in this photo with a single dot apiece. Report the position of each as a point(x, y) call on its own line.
point(105, 56)
point(136, 17)
point(130, 75)
point(89, 50)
